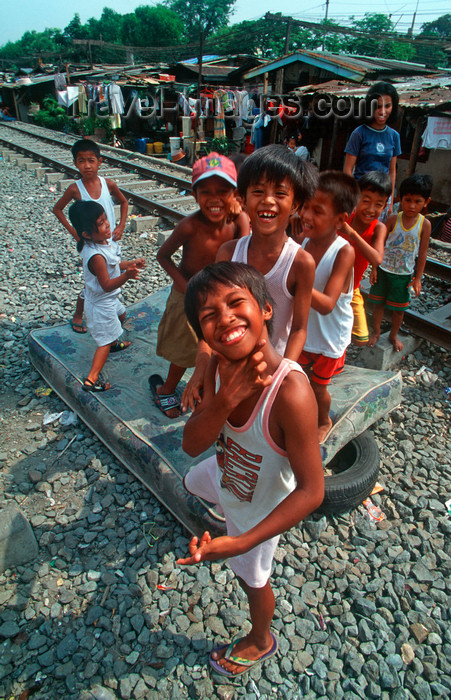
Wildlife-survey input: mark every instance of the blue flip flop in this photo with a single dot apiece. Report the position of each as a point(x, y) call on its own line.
point(246, 663)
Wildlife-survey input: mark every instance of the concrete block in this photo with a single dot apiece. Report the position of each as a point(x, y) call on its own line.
point(53, 177)
point(143, 223)
point(41, 172)
point(384, 356)
point(117, 211)
point(32, 166)
point(442, 316)
point(17, 542)
point(18, 160)
point(163, 236)
point(64, 184)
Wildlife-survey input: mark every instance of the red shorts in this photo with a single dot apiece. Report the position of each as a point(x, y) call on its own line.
point(321, 369)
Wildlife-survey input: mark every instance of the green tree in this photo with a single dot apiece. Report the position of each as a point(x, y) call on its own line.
point(207, 15)
point(75, 29)
point(151, 26)
point(439, 28)
point(376, 26)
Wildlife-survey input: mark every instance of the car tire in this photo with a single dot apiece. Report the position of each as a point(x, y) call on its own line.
point(355, 469)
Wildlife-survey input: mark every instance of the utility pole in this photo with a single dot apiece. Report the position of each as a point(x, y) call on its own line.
point(410, 31)
point(325, 19)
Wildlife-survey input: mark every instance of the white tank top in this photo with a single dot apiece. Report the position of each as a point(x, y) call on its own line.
point(104, 199)
point(93, 290)
point(330, 334)
point(276, 280)
point(254, 474)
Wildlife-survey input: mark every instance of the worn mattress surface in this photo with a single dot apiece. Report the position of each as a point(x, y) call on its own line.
point(142, 438)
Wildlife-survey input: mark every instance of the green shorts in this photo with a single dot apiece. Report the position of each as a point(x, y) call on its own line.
point(391, 290)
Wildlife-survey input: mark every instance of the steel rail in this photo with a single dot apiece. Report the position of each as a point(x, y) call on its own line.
point(149, 204)
point(434, 331)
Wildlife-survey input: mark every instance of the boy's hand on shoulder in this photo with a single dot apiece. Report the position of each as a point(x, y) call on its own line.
point(348, 230)
point(118, 233)
point(208, 549)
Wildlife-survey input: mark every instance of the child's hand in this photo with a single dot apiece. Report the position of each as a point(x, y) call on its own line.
point(193, 392)
point(296, 227)
point(207, 549)
point(140, 263)
point(118, 233)
point(235, 208)
point(348, 230)
point(416, 286)
point(243, 377)
point(373, 275)
point(132, 272)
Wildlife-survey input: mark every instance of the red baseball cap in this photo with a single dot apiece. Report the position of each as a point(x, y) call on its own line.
point(214, 164)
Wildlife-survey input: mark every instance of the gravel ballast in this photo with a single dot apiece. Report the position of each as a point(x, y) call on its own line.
point(362, 607)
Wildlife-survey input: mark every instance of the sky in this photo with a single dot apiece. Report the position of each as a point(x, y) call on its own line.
point(25, 15)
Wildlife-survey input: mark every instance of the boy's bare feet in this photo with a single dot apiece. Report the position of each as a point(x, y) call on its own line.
point(324, 430)
point(245, 648)
point(374, 337)
point(397, 344)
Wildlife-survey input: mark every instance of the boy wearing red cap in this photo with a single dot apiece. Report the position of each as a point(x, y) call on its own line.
point(199, 235)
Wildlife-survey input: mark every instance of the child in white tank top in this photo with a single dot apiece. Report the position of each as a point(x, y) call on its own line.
point(267, 476)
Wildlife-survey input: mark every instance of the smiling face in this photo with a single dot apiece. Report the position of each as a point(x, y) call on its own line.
point(382, 112)
point(214, 196)
point(270, 206)
point(371, 205)
point(87, 164)
point(318, 217)
point(232, 321)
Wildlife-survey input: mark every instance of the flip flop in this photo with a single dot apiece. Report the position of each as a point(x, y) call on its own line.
point(95, 387)
point(119, 345)
point(246, 663)
point(163, 401)
point(81, 327)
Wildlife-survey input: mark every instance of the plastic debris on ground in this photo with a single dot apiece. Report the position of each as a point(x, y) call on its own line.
point(50, 418)
point(377, 488)
point(426, 375)
point(448, 506)
point(373, 511)
point(43, 391)
point(68, 418)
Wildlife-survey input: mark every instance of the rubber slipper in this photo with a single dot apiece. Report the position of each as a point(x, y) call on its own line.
point(95, 387)
point(119, 345)
point(163, 401)
point(80, 326)
point(246, 663)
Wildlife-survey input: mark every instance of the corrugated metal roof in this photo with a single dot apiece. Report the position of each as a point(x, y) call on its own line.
point(349, 65)
point(418, 91)
point(208, 69)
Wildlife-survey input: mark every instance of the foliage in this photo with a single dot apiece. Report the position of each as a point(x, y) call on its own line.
point(86, 126)
point(209, 15)
point(151, 26)
point(439, 28)
point(375, 25)
point(220, 144)
point(51, 115)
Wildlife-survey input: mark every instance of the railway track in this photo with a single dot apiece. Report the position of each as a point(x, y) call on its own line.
point(159, 187)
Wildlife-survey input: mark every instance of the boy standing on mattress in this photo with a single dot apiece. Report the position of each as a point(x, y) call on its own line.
point(199, 235)
point(267, 474)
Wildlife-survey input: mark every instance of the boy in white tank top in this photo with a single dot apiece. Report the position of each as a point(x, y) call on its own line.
point(331, 316)
point(272, 183)
point(90, 187)
point(267, 476)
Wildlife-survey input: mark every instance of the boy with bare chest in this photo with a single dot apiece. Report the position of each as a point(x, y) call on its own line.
point(199, 235)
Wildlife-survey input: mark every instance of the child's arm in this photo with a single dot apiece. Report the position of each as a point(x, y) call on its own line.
point(239, 380)
point(422, 255)
point(349, 165)
point(391, 222)
point(242, 225)
point(392, 173)
point(140, 263)
point(374, 251)
point(304, 272)
point(295, 415)
point(61, 204)
point(182, 232)
point(324, 302)
point(97, 265)
point(119, 197)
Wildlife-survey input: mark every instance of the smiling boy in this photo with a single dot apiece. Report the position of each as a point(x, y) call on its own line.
point(199, 235)
point(267, 474)
point(330, 320)
point(366, 234)
point(272, 183)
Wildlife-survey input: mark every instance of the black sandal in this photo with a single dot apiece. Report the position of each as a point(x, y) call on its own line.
point(95, 387)
point(119, 345)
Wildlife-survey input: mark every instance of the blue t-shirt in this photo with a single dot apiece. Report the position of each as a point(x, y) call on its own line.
point(374, 148)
